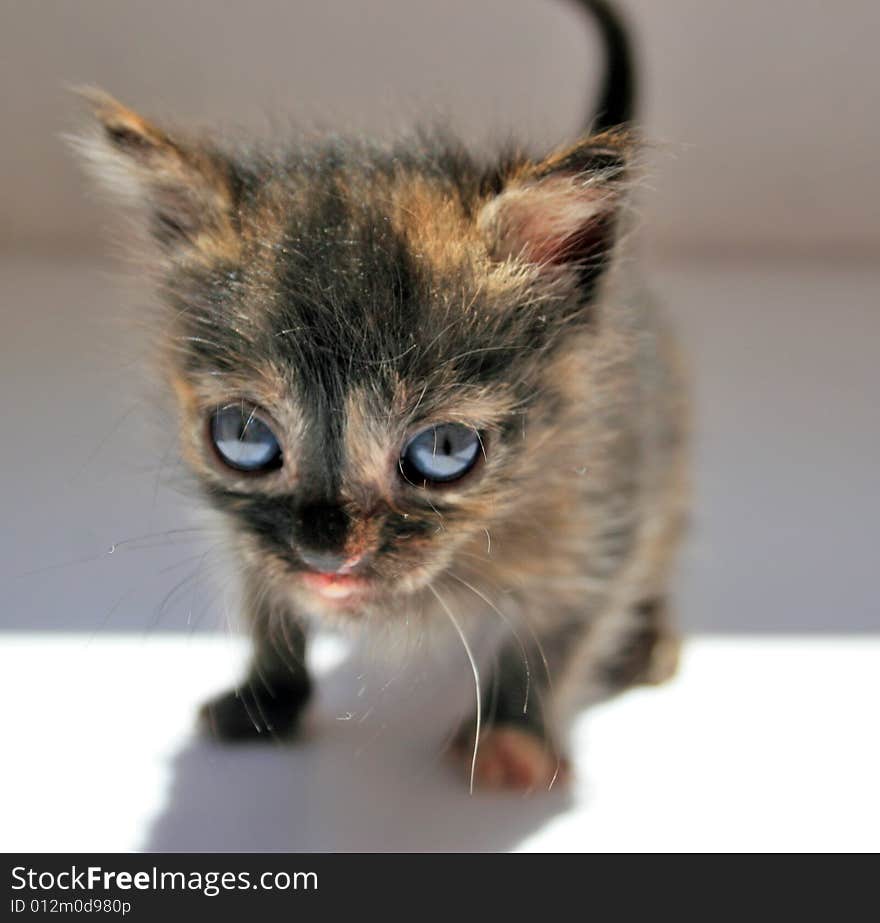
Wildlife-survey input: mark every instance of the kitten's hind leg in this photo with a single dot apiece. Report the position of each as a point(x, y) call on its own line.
point(649, 652)
point(268, 704)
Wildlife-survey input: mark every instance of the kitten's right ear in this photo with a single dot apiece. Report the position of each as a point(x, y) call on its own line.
point(185, 189)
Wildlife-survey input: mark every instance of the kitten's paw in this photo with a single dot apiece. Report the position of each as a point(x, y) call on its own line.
point(242, 715)
point(649, 654)
point(514, 759)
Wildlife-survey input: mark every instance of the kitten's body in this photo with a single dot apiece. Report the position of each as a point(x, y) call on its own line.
point(351, 296)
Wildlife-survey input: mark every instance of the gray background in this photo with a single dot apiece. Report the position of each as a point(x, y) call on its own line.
point(761, 225)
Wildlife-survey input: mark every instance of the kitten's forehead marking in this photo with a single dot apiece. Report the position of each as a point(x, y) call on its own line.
point(432, 220)
point(371, 437)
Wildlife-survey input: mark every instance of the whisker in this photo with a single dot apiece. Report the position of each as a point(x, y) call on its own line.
point(127, 544)
point(60, 566)
point(540, 648)
point(222, 586)
point(103, 442)
point(190, 579)
point(192, 600)
point(535, 639)
point(197, 531)
point(476, 672)
point(513, 631)
point(105, 621)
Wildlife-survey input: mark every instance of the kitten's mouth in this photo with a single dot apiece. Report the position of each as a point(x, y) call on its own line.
point(337, 587)
point(352, 590)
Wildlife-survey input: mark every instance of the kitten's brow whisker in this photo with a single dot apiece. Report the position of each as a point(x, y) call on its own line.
point(421, 398)
point(476, 672)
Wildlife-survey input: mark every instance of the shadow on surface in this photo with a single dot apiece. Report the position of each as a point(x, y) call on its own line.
point(368, 777)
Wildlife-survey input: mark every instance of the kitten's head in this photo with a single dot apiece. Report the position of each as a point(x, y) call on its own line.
point(368, 344)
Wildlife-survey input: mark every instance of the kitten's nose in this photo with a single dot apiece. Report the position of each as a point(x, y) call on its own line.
point(321, 532)
point(325, 562)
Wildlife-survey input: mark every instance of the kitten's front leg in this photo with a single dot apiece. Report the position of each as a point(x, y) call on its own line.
point(520, 746)
point(269, 702)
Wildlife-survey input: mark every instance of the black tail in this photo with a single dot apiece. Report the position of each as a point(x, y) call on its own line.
point(617, 99)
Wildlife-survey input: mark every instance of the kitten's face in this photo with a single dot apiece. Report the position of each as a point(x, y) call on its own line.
point(366, 345)
point(374, 374)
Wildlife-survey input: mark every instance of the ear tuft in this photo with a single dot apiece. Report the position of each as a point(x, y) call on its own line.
point(123, 128)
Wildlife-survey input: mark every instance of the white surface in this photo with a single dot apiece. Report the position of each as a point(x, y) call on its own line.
point(760, 744)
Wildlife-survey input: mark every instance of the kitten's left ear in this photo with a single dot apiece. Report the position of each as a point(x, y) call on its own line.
point(563, 211)
point(185, 189)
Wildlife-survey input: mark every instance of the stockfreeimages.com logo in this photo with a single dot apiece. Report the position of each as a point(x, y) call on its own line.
point(96, 878)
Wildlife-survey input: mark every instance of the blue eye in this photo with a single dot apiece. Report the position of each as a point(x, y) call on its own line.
point(243, 441)
point(440, 454)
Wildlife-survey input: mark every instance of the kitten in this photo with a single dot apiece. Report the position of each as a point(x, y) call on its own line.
point(418, 386)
